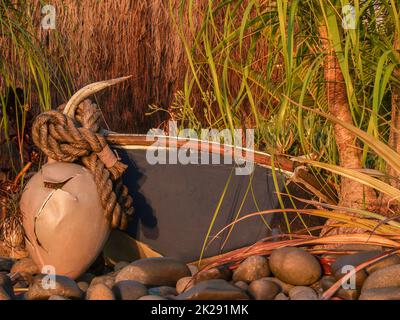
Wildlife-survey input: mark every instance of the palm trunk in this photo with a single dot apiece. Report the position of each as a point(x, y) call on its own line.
point(352, 194)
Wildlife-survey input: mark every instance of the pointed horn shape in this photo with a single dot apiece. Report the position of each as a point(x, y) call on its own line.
point(87, 91)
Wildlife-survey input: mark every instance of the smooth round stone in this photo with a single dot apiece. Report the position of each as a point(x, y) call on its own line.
point(383, 278)
point(129, 290)
point(154, 271)
point(285, 287)
point(295, 266)
point(262, 289)
point(281, 296)
point(389, 261)
point(342, 264)
point(99, 292)
point(56, 297)
point(6, 264)
point(163, 291)
point(214, 273)
point(184, 284)
point(25, 265)
point(151, 297)
point(302, 293)
point(242, 285)
point(64, 286)
point(252, 268)
point(108, 280)
point(391, 293)
point(84, 286)
point(347, 294)
point(360, 277)
point(120, 265)
point(216, 289)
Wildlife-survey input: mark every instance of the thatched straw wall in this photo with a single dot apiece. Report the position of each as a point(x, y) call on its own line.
point(106, 39)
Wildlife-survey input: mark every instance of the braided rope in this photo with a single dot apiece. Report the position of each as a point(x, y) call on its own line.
point(64, 139)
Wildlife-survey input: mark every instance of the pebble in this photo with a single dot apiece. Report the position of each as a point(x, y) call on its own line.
point(163, 291)
point(214, 273)
point(25, 266)
point(120, 265)
point(295, 266)
point(83, 286)
point(354, 260)
point(129, 290)
point(389, 261)
point(99, 292)
point(347, 294)
point(262, 289)
point(154, 271)
point(281, 296)
point(252, 268)
point(216, 289)
point(382, 278)
point(361, 276)
point(285, 287)
point(56, 297)
point(64, 287)
point(242, 285)
point(389, 293)
point(151, 297)
point(6, 264)
point(184, 284)
point(107, 279)
point(302, 293)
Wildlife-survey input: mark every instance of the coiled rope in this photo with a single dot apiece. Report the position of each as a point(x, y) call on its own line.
point(79, 139)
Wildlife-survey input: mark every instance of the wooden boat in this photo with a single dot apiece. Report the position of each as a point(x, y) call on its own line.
point(175, 204)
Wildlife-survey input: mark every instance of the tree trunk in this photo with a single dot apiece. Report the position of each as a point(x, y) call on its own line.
point(352, 194)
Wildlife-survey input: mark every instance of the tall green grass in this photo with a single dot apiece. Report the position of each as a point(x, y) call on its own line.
point(260, 60)
point(31, 59)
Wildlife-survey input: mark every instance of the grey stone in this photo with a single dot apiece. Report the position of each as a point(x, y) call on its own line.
point(389, 261)
point(390, 293)
point(285, 287)
point(242, 285)
point(221, 272)
point(383, 278)
point(347, 294)
point(108, 280)
point(281, 296)
point(154, 271)
point(99, 292)
point(302, 293)
point(163, 291)
point(295, 266)
point(216, 289)
point(55, 297)
point(252, 268)
point(151, 297)
point(129, 290)
point(64, 287)
point(262, 289)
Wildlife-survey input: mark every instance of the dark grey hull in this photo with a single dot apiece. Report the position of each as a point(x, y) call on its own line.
point(174, 205)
